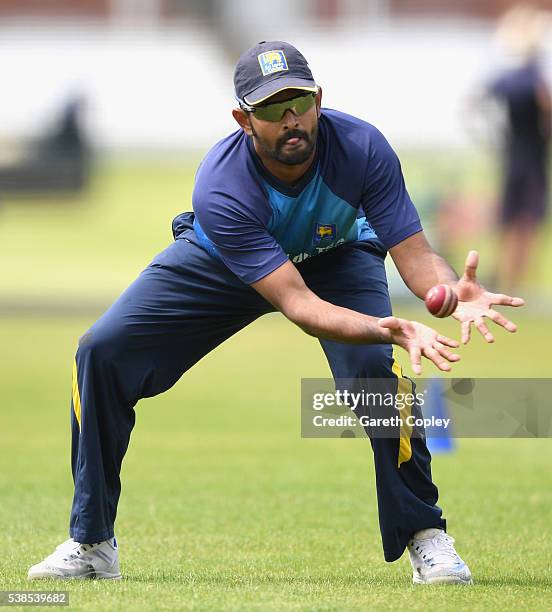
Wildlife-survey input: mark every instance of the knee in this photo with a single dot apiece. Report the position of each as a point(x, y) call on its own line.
point(100, 343)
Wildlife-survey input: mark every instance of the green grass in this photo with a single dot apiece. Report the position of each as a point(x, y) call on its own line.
point(224, 506)
point(88, 248)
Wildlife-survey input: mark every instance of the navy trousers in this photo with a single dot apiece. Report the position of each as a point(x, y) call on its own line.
point(183, 305)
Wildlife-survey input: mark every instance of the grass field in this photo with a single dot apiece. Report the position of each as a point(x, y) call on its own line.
point(224, 506)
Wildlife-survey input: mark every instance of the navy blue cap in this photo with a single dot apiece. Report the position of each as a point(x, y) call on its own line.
point(270, 67)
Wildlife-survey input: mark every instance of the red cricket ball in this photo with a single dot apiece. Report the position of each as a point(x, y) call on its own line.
point(441, 301)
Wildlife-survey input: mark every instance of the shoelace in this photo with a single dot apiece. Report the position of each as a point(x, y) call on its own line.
point(60, 550)
point(439, 549)
point(75, 552)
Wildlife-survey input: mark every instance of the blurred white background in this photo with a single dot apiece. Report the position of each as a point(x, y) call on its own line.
point(157, 74)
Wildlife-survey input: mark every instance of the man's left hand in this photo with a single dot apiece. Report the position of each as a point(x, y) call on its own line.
point(475, 303)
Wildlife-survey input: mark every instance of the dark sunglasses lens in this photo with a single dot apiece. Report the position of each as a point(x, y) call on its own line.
point(275, 112)
point(304, 103)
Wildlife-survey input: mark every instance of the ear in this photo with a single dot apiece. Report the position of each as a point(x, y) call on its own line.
point(242, 118)
point(318, 101)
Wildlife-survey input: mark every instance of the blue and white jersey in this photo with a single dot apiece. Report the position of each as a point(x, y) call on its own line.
point(354, 190)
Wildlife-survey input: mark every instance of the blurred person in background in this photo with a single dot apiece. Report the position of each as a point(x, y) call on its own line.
point(58, 161)
point(523, 92)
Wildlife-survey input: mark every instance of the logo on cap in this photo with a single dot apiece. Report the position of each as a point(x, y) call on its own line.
point(272, 61)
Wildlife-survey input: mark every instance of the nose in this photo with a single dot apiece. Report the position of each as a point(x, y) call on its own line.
point(290, 118)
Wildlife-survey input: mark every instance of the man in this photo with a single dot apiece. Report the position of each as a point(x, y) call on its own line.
point(293, 212)
point(522, 90)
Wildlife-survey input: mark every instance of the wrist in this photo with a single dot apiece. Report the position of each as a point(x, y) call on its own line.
point(385, 336)
point(381, 335)
point(452, 283)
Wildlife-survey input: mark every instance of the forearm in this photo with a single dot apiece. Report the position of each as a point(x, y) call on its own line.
point(286, 290)
point(420, 266)
point(323, 320)
point(429, 270)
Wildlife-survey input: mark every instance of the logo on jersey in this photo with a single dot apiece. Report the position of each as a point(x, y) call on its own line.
point(272, 61)
point(324, 232)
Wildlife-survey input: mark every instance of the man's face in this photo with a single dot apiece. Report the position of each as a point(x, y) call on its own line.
point(291, 140)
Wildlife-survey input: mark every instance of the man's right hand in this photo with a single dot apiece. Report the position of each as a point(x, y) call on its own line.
point(418, 340)
point(286, 290)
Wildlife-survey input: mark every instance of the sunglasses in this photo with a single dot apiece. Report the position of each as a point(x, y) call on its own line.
point(274, 112)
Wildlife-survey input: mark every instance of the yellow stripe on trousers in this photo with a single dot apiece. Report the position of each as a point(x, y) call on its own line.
point(403, 386)
point(76, 394)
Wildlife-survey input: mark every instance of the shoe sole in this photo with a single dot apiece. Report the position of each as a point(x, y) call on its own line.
point(87, 576)
point(444, 580)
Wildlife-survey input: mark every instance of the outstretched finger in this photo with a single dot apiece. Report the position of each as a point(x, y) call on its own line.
point(465, 331)
point(484, 330)
point(448, 341)
point(437, 359)
point(444, 351)
point(415, 359)
point(470, 267)
point(500, 319)
point(506, 300)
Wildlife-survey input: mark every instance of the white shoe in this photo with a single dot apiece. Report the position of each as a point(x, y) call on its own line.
point(72, 560)
point(434, 560)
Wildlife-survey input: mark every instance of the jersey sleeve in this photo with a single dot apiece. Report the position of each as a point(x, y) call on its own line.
point(240, 238)
point(386, 202)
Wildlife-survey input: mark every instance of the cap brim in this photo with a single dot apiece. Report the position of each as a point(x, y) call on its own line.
point(269, 89)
